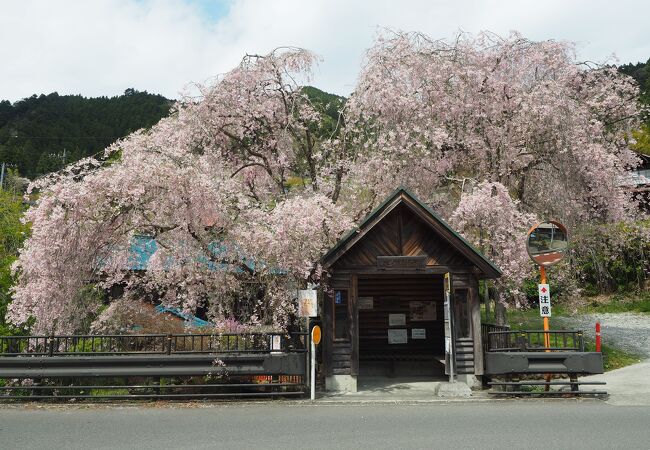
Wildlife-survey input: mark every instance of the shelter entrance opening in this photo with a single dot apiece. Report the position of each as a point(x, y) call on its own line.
point(401, 327)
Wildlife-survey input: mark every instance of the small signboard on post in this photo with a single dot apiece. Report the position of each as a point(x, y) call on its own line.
point(449, 329)
point(544, 300)
point(308, 303)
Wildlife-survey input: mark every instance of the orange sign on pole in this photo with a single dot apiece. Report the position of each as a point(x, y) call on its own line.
point(315, 340)
point(316, 334)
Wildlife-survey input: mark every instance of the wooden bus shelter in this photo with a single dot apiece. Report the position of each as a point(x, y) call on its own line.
point(384, 312)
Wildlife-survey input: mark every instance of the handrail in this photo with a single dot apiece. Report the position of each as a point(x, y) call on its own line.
point(533, 341)
point(538, 331)
point(488, 327)
point(141, 344)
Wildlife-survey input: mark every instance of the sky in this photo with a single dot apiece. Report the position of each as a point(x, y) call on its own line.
point(102, 47)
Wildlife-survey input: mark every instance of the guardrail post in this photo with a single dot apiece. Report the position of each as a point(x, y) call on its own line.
point(521, 342)
point(169, 344)
point(51, 349)
point(582, 341)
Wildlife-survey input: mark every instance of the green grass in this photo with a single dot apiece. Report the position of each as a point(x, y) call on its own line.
point(613, 358)
point(617, 303)
point(104, 392)
point(529, 319)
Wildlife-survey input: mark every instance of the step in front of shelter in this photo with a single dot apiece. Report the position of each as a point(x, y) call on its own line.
point(400, 389)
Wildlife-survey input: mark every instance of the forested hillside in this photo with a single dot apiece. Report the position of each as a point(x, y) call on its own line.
point(641, 73)
point(42, 133)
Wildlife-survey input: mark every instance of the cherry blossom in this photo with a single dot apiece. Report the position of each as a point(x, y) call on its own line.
point(243, 192)
point(437, 116)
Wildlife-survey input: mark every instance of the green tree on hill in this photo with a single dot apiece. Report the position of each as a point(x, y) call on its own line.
point(42, 133)
point(12, 235)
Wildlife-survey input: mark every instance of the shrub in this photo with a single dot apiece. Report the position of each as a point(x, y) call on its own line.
point(611, 258)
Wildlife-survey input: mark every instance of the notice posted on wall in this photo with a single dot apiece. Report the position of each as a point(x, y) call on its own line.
point(398, 336)
point(366, 303)
point(422, 311)
point(396, 320)
point(418, 333)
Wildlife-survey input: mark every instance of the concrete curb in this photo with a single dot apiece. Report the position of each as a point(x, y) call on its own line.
point(321, 401)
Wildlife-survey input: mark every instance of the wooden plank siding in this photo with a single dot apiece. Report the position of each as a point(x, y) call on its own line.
point(354, 325)
point(401, 233)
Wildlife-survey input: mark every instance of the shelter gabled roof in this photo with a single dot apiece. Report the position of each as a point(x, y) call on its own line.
point(402, 196)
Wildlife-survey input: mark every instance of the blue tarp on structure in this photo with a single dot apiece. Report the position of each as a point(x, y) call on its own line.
point(143, 248)
point(190, 319)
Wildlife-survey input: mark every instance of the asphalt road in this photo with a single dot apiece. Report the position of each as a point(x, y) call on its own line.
point(524, 424)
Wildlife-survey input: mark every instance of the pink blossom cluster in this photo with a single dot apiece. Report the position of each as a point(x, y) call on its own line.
point(501, 109)
point(491, 218)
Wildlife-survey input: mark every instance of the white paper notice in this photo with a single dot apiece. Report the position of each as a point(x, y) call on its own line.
point(399, 336)
point(366, 303)
point(396, 320)
point(422, 311)
point(418, 333)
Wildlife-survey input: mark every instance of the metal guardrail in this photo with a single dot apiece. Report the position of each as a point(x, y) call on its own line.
point(152, 365)
point(524, 353)
point(161, 366)
point(558, 362)
point(533, 341)
point(156, 344)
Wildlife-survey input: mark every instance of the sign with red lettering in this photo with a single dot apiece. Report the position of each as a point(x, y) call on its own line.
point(544, 300)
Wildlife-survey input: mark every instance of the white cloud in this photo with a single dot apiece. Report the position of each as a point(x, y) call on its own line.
point(102, 47)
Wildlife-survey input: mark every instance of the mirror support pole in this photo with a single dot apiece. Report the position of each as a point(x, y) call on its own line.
point(547, 337)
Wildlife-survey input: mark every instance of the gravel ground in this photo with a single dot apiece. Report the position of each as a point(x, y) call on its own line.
point(628, 331)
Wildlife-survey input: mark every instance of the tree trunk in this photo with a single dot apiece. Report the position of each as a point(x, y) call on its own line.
point(500, 313)
point(486, 299)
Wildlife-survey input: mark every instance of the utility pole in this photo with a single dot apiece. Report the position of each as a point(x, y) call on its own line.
point(4, 168)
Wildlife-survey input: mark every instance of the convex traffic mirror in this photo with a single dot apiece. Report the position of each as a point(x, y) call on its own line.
point(547, 243)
